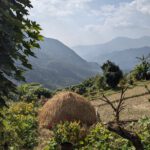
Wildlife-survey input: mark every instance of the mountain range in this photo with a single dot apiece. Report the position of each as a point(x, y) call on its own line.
point(126, 59)
point(58, 66)
point(122, 50)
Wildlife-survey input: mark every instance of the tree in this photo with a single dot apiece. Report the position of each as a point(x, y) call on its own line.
point(116, 126)
point(112, 74)
point(18, 36)
point(142, 70)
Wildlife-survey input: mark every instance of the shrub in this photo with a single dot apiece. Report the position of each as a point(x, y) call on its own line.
point(20, 125)
point(100, 83)
point(145, 131)
point(112, 74)
point(91, 85)
point(142, 70)
point(31, 92)
point(98, 137)
point(8, 135)
point(70, 132)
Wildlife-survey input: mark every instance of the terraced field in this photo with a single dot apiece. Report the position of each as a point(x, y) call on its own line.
point(137, 103)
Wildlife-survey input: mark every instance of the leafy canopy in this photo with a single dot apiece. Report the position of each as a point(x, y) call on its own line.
point(112, 73)
point(18, 36)
point(142, 70)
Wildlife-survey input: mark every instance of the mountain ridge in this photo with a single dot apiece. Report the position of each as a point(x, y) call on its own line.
point(92, 52)
point(58, 66)
point(126, 59)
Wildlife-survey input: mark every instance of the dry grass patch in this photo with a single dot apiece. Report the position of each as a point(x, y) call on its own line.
point(137, 104)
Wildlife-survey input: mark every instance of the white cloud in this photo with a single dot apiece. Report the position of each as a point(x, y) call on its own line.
point(143, 6)
point(127, 19)
point(105, 10)
point(59, 7)
point(79, 22)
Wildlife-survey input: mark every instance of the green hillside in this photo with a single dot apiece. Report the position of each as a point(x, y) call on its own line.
point(58, 66)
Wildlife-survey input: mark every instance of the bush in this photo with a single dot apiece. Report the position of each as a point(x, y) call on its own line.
point(20, 126)
point(8, 135)
point(112, 74)
point(145, 131)
point(97, 138)
point(70, 132)
point(100, 83)
point(100, 138)
point(142, 70)
point(140, 73)
point(91, 85)
point(31, 92)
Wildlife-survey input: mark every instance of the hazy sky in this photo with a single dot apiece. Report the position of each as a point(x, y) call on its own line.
point(78, 22)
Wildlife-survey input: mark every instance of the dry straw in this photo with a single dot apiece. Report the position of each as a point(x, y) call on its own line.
point(67, 106)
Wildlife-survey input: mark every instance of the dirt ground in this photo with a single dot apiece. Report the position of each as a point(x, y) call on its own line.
point(137, 104)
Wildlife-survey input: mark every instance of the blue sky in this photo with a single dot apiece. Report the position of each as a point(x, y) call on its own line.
point(82, 22)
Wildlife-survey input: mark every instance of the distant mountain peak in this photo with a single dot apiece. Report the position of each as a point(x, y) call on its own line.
point(92, 52)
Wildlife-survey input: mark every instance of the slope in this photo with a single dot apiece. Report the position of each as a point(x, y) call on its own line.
point(58, 66)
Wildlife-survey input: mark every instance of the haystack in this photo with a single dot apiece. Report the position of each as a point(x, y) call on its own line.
point(67, 106)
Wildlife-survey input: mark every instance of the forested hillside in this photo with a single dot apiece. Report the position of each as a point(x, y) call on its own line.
point(58, 66)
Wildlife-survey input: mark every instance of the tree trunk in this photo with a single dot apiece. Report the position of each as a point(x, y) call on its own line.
point(66, 146)
point(129, 135)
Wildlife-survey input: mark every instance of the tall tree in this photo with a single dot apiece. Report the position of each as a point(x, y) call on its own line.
point(18, 36)
point(112, 73)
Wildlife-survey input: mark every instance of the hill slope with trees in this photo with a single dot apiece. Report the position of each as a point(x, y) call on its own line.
point(57, 65)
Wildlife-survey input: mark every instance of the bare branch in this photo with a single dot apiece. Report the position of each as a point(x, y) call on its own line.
point(105, 99)
point(116, 126)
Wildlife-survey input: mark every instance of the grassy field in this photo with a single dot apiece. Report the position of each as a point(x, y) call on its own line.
point(137, 103)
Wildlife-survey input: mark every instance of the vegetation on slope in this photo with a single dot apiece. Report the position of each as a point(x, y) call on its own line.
point(19, 128)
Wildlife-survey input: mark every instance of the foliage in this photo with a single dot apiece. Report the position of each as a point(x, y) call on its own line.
point(18, 36)
point(142, 70)
point(130, 79)
point(112, 73)
point(98, 137)
point(8, 135)
point(30, 92)
point(100, 83)
point(70, 132)
point(87, 87)
point(19, 128)
point(145, 131)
